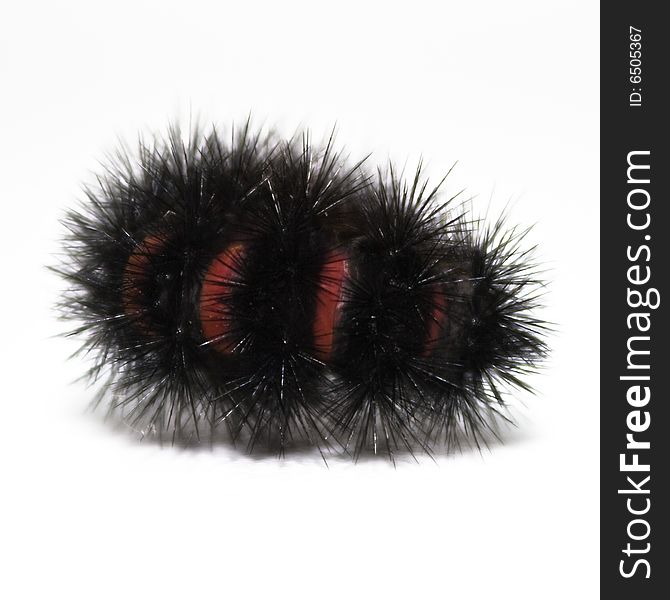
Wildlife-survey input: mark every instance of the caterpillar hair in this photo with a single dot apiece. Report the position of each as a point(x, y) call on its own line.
point(271, 289)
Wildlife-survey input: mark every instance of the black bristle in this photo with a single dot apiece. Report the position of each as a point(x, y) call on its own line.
point(389, 300)
point(498, 339)
point(292, 223)
point(271, 289)
point(183, 195)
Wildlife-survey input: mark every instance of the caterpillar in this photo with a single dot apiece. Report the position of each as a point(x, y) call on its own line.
point(272, 290)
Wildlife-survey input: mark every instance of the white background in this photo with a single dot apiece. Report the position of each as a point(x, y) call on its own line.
point(510, 90)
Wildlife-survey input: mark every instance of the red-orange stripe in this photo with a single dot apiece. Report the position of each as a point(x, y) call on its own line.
point(329, 302)
point(135, 276)
point(436, 321)
point(216, 287)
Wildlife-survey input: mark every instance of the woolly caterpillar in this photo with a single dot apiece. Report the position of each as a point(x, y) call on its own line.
point(268, 288)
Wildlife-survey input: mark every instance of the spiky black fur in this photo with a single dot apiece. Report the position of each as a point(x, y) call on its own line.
point(300, 214)
point(435, 319)
point(186, 196)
